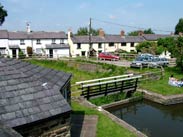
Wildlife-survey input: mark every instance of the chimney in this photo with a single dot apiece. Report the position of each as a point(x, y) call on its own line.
point(140, 33)
point(70, 33)
point(122, 33)
point(101, 33)
point(28, 27)
point(180, 34)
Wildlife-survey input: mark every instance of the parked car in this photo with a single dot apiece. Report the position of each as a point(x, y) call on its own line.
point(139, 62)
point(108, 56)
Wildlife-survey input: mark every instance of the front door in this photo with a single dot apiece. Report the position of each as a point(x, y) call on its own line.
point(51, 53)
point(14, 53)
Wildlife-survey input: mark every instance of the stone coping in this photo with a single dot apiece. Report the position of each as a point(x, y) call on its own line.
point(158, 98)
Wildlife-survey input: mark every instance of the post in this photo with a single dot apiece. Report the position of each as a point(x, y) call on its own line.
point(90, 37)
point(88, 93)
point(106, 89)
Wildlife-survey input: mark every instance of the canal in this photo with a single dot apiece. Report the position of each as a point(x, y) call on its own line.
point(153, 119)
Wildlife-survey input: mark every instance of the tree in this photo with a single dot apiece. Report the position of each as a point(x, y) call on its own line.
point(3, 14)
point(136, 32)
point(133, 33)
point(148, 31)
point(178, 52)
point(84, 31)
point(147, 47)
point(179, 26)
point(167, 44)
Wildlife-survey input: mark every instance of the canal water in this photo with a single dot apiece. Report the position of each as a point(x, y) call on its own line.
point(153, 119)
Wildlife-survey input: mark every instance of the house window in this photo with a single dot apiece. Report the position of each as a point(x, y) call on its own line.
point(123, 44)
point(100, 45)
point(22, 42)
point(38, 41)
point(38, 50)
point(79, 46)
point(99, 51)
point(83, 53)
point(111, 44)
point(53, 41)
point(2, 51)
point(61, 41)
point(132, 44)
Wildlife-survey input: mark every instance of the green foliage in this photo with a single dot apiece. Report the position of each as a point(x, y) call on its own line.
point(105, 126)
point(133, 33)
point(21, 55)
point(136, 32)
point(82, 31)
point(112, 98)
point(3, 14)
point(179, 26)
point(147, 47)
point(148, 31)
point(178, 52)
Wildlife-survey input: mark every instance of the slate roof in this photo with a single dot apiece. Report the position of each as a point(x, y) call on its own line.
point(46, 35)
point(8, 132)
point(57, 46)
point(107, 39)
point(155, 37)
point(3, 34)
point(29, 93)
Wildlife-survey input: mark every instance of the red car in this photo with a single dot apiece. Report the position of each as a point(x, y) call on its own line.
point(108, 56)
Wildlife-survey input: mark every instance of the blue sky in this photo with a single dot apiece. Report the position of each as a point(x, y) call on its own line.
point(57, 15)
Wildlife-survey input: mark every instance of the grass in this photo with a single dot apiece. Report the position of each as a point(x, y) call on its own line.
point(161, 86)
point(105, 126)
point(112, 98)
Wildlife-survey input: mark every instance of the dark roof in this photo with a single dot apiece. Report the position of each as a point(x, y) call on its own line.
point(3, 34)
point(46, 35)
point(29, 93)
point(32, 35)
point(8, 132)
point(107, 39)
point(57, 46)
point(18, 35)
point(155, 37)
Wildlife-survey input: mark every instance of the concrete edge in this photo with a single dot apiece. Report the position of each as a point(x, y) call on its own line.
point(158, 98)
point(111, 116)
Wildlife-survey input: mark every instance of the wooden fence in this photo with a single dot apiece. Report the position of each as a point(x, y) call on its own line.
point(109, 85)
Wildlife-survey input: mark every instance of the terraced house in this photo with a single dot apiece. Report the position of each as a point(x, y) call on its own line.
point(82, 45)
point(51, 44)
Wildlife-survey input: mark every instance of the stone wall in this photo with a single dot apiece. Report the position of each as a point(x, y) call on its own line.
point(158, 98)
point(53, 127)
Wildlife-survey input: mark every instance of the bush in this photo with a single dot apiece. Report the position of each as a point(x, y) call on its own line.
point(21, 55)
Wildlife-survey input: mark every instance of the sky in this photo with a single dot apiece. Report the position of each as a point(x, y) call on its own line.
point(110, 15)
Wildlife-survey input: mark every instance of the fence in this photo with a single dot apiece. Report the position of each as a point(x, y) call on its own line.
point(109, 85)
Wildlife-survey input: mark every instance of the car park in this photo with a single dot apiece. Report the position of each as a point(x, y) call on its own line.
point(108, 56)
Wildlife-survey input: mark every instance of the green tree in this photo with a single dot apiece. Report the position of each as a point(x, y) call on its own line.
point(3, 14)
point(166, 44)
point(84, 31)
point(148, 31)
point(133, 33)
point(147, 47)
point(136, 32)
point(178, 52)
point(179, 26)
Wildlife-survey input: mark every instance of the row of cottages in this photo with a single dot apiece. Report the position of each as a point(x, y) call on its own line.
point(52, 44)
point(81, 45)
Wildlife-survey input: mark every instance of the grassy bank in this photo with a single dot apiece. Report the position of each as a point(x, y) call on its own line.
point(161, 86)
point(105, 126)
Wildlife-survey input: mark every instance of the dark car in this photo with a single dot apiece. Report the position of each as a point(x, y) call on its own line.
point(108, 56)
